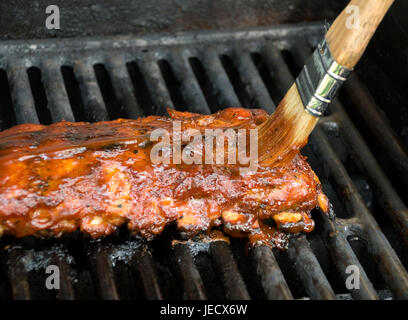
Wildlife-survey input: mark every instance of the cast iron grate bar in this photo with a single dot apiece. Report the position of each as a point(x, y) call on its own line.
point(219, 79)
point(269, 272)
point(145, 265)
point(23, 101)
point(156, 85)
point(383, 188)
point(58, 102)
point(314, 280)
point(188, 272)
point(95, 109)
point(189, 87)
point(104, 273)
point(252, 81)
point(17, 275)
point(235, 288)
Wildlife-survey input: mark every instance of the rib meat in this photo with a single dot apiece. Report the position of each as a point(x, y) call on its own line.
point(97, 176)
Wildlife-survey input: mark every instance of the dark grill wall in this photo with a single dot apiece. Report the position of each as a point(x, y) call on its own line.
point(24, 19)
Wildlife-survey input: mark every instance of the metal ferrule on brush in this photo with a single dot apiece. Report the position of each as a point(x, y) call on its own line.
point(320, 80)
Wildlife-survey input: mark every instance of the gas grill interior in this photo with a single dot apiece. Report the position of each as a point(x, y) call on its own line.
point(178, 60)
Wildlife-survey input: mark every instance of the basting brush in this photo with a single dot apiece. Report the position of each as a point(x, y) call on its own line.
point(287, 130)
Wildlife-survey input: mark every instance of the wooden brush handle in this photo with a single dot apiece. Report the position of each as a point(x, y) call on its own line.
point(346, 44)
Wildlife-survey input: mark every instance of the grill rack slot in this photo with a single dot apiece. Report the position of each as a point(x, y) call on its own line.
point(208, 48)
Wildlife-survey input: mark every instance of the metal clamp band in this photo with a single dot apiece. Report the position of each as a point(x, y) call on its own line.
point(320, 80)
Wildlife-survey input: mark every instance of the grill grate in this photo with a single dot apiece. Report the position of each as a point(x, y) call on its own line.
point(100, 79)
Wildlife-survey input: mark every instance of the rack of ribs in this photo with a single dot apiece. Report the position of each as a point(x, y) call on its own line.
point(96, 177)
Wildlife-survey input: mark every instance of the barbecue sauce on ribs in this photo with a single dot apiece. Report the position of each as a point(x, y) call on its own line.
point(97, 176)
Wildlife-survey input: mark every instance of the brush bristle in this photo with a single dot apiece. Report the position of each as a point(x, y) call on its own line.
point(285, 132)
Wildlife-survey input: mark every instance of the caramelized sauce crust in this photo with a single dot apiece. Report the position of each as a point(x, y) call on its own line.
point(58, 178)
